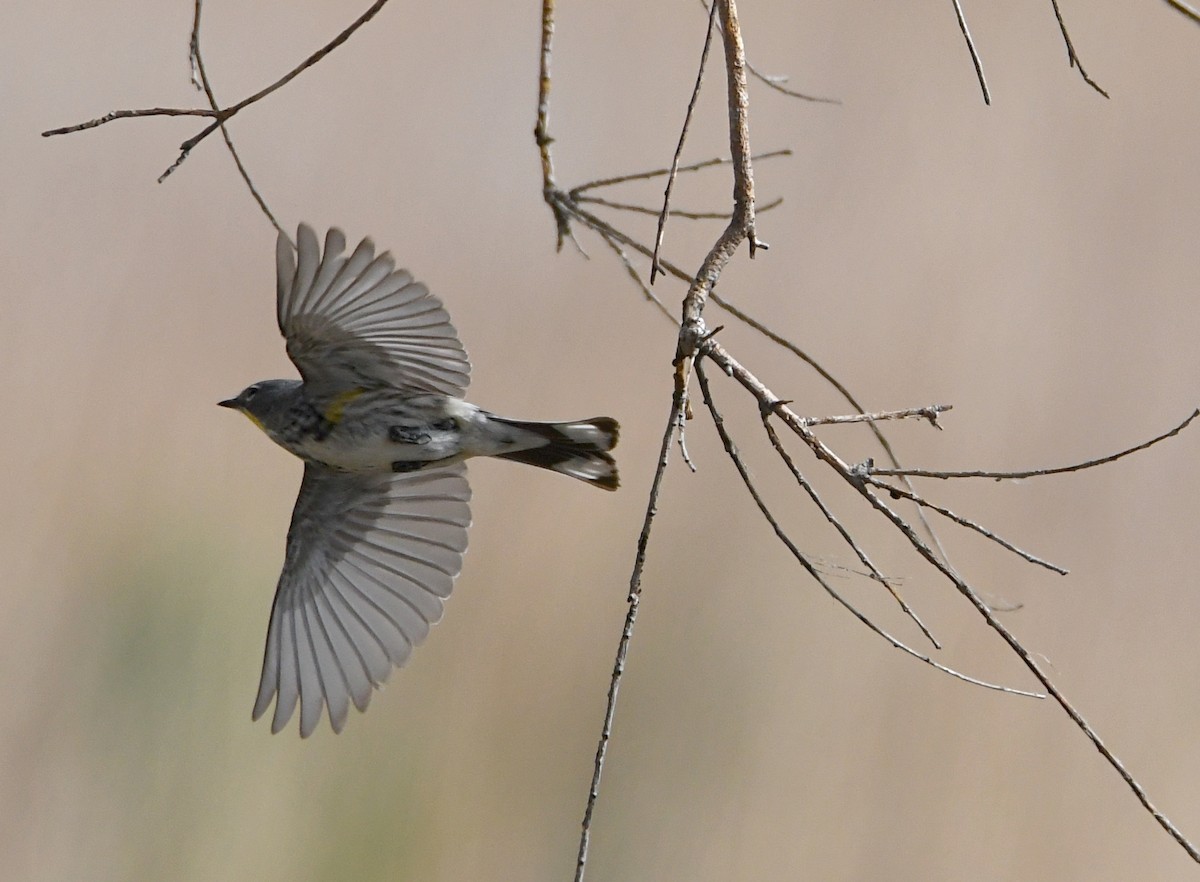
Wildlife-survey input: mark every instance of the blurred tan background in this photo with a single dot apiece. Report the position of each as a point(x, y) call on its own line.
point(1035, 263)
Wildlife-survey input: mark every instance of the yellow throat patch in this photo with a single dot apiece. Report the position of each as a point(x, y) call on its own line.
point(252, 418)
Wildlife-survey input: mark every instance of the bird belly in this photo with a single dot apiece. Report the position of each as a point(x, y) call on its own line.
point(378, 451)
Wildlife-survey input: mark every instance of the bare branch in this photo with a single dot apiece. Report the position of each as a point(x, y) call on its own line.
point(613, 235)
point(853, 477)
point(695, 341)
point(690, 336)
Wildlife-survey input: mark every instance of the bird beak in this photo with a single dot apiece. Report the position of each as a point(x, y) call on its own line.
point(229, 402)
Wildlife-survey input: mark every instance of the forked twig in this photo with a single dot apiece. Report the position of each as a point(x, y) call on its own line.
point(611, 234)
point(1072, 58)
point(227, 113)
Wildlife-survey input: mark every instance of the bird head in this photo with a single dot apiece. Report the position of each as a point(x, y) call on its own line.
point(265, 402)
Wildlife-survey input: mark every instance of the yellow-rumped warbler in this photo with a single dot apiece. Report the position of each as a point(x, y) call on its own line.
point(380, 525)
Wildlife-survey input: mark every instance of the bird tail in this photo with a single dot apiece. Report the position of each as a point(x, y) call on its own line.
point(578, 448)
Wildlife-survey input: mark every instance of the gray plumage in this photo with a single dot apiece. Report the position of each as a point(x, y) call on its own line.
point(380, 524)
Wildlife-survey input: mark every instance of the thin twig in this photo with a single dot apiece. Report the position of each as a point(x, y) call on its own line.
point(200, 78)
point(809, 566)
point(634, 600)
point(659, 172)
point(1072, 58)
point(776, 82)
point(1037, 473)
point(674, 212)
point(687, 122)
point(637, 277)
point(975, 60)
point(681, 437)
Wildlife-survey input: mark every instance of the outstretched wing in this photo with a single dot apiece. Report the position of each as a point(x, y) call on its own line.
point(360, 322)
point(370, 560)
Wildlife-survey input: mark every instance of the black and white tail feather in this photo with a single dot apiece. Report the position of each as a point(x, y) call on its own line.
point(579, 449)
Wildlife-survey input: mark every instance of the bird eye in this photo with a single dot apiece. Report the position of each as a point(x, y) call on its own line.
point(250, 393)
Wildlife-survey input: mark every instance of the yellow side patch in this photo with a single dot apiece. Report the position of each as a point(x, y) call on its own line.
point(337, 407)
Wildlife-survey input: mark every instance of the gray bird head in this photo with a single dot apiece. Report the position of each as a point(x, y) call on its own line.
point(266, 403)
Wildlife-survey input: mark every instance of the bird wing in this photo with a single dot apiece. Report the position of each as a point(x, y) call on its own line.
point(359, 322)
point(370, 559)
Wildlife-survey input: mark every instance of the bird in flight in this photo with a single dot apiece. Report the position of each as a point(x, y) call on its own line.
point(380, 525)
